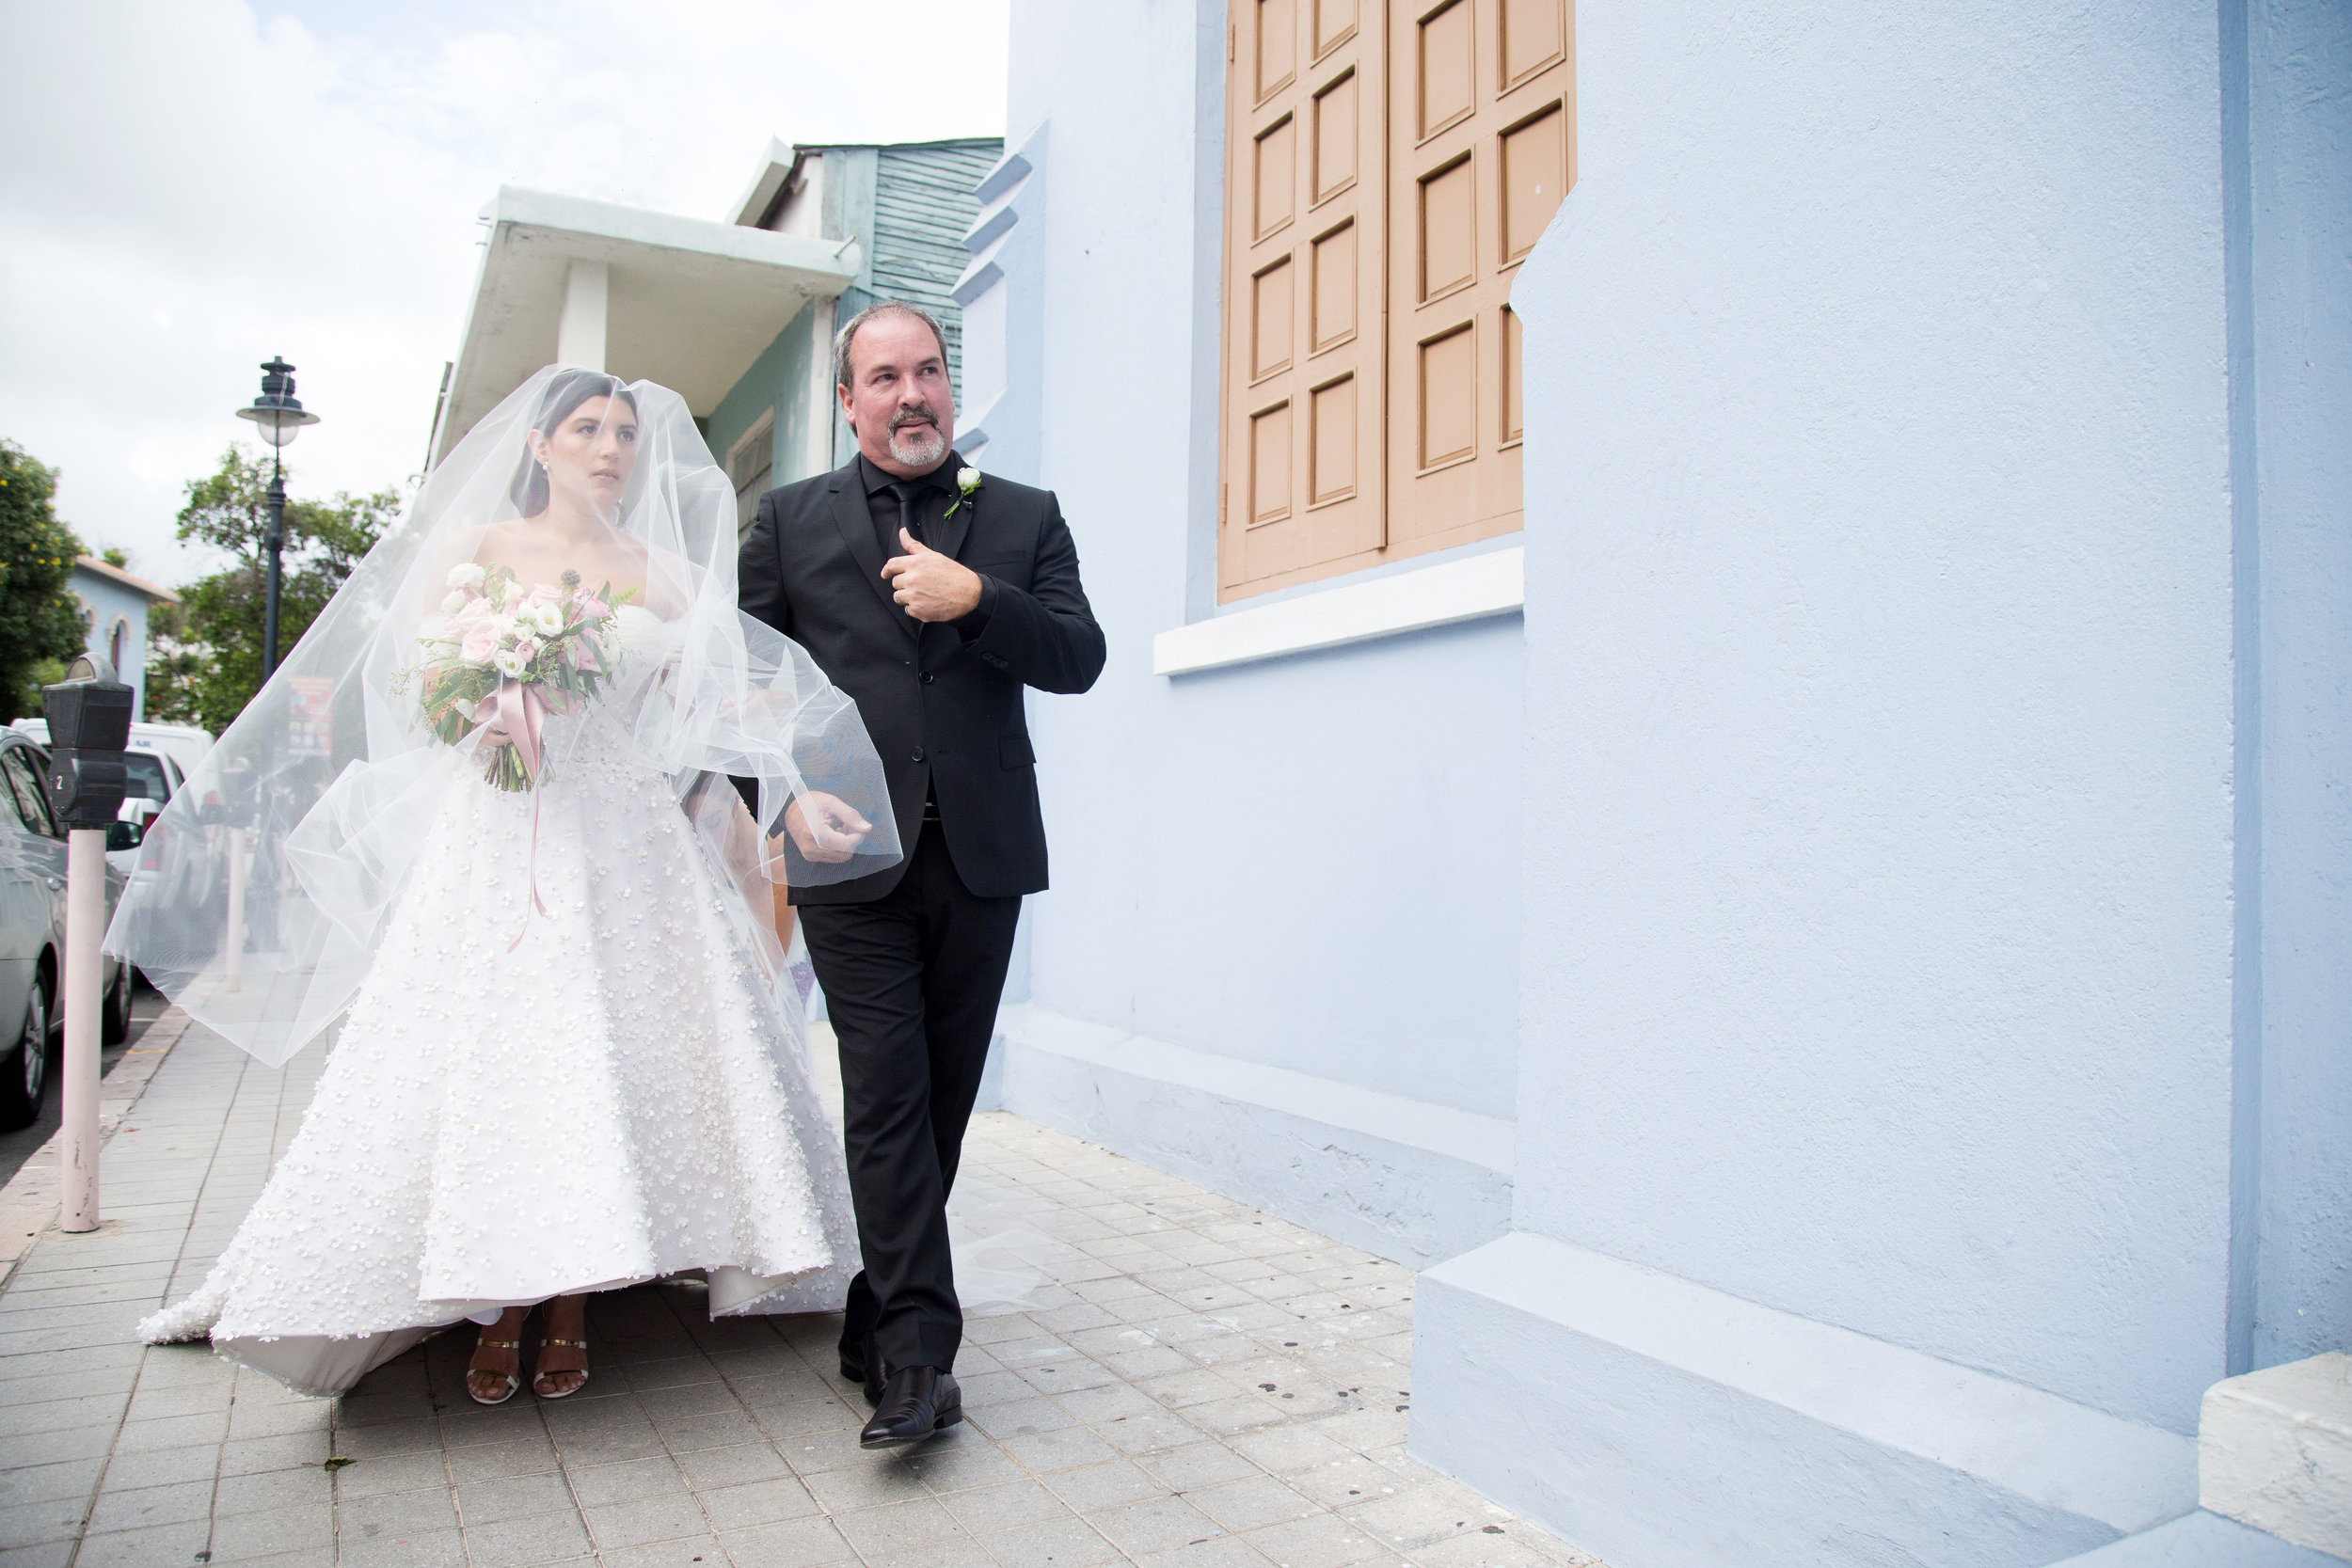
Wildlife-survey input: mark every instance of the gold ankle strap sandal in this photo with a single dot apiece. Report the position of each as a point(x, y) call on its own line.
point(579, 1373)
point(514, 1380)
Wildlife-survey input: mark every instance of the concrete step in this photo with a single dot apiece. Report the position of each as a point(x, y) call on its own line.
point(2274, 1451)
point(2201, 1540)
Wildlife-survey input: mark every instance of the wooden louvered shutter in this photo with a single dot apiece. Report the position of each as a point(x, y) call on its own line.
point(1304, 285)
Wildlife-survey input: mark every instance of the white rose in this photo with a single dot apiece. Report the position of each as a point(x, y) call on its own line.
point(968, 480)
point(467, 576)
point(511, 663)
point(456, 602)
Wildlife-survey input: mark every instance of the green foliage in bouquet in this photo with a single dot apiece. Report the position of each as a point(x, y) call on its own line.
point(563, 647)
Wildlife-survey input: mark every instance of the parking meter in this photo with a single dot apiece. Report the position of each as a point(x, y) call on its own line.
point(90, 723)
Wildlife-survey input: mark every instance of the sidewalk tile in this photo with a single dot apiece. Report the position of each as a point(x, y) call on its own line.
point(491, 1502)
point(1227, 1551)
point(794, 1543)
point(732, 1465)
point(43, 1483)
point(1056, 1544)
point(1004, 1507)
point(241, 1536)
point(1318, 1541)
point(271, 1490)
point(434, 1549)
point(761, 1502)
point(145, 1548)
point(1107, 1485)
point(397, 1513)
point(381, 1475)
point(647, 1519)
point(627, 1482)
point(958, 1461)
point(37, 1524)
point(516, 1456)
point(47, 1446)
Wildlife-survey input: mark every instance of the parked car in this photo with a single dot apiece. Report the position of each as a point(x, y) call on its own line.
point(32, 933)
point(158, 759)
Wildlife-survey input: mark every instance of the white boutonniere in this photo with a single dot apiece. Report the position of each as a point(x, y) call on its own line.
point(967, 485)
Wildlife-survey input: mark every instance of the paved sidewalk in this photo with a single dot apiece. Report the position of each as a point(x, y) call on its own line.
point(1202, 1387)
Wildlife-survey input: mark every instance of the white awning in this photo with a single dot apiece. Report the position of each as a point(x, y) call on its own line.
point(681, 301)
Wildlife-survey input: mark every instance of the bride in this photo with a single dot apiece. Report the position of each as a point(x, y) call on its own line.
point(479, 824)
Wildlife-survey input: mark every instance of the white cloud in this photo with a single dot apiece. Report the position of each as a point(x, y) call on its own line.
point(194, 187)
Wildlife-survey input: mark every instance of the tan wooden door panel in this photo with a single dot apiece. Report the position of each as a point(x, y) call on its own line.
point(1480, 155)
point(1390, 164)
point(1304, 460)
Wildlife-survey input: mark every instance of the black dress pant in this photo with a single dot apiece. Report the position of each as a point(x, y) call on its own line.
point(911, 981)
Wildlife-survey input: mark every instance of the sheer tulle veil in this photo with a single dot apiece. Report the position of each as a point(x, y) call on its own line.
point(264, 885)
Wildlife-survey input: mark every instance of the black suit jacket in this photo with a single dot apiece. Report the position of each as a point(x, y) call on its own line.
point(944, 712)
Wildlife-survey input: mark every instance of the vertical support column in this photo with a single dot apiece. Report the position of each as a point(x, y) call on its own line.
point(85, 928)
point(824, 321)
point(579, 332)
point(232, 967)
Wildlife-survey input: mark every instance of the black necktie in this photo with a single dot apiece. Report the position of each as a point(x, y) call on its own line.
point(904, 490)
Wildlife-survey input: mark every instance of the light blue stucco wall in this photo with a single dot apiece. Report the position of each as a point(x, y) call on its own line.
point(1309, 864)
point(108, 601)
point(2288, 69)
point(1878, 957)
point(1933, 974)
point(778, 379)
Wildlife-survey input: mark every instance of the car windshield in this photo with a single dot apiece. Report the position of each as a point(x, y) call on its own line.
point(144, 777)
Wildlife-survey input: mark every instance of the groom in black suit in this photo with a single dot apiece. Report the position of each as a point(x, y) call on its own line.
point(932, 597)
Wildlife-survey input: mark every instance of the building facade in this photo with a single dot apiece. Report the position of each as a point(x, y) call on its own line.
point(1726, 716)
point(736, 316)
point(115, 603)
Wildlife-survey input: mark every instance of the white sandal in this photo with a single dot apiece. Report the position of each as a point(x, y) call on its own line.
point(579, 1373)
point(513, 1379)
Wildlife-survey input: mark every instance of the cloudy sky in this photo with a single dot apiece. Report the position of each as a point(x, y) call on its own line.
point(193, 185)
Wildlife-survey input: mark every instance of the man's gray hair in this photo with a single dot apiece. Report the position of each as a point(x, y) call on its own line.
point(842, 338)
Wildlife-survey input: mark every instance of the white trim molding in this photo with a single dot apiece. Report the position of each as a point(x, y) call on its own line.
point(1469, 589)
point(1654, 1389)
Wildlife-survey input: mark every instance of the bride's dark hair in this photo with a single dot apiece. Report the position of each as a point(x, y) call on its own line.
point(563, 394)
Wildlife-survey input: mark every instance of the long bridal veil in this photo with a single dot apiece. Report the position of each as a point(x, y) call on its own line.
point(266, 884)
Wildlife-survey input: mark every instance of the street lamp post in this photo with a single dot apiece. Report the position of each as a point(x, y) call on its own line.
point(277, 413)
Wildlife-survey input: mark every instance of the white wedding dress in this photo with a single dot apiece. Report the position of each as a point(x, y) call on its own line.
point(623, 1095)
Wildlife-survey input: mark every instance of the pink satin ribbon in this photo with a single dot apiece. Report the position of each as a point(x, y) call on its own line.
point(521, 709)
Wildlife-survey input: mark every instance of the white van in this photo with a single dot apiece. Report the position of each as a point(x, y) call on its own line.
point(184, 744)
point(158, 759)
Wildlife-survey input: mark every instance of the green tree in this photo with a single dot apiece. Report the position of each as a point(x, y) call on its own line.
point(208, 664)
point(41, 623)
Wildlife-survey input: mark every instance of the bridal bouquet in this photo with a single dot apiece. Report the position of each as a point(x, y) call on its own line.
point(498, 653)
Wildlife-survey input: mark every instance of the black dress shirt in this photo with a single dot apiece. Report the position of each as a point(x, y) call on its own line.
point(933, 493)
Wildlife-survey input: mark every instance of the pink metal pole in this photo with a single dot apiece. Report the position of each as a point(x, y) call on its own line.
point(85, 928)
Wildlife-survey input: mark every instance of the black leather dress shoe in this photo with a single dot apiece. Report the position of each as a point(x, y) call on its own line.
point(866, 1370)
point(916, 1403)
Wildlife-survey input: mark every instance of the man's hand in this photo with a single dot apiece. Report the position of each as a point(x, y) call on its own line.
point(931, 586)
point(832, 837)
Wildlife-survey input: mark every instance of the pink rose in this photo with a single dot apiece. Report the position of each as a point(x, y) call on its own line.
point(478, 641)
point(594, 610)
point(547, 592)
point(526, 648)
